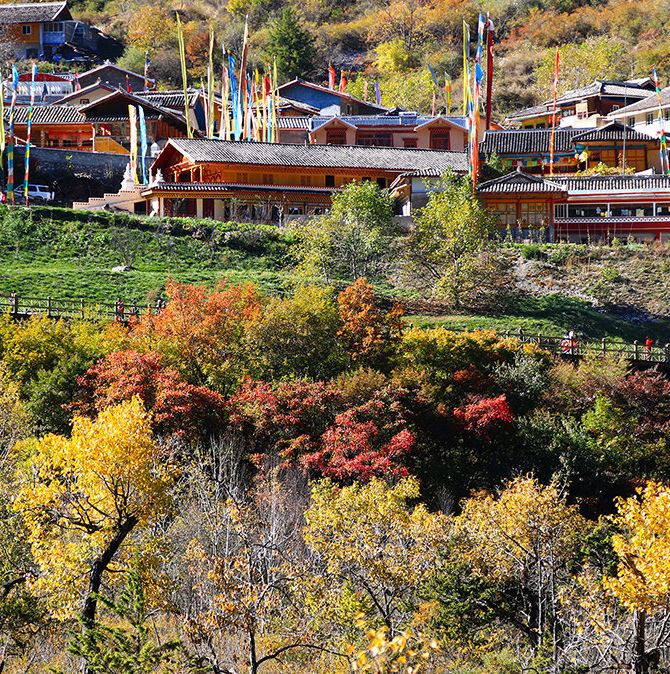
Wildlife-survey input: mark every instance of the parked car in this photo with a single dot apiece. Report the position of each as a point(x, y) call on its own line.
point(39, 193)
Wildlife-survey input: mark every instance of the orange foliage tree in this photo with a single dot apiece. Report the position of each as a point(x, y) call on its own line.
point(202, 333)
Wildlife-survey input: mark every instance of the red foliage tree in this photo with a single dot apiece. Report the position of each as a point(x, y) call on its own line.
point(178, 408)
point(484, 417)
point(646, 395)
point(361, 444)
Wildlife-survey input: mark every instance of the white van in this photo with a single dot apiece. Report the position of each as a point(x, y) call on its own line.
point(38, 193)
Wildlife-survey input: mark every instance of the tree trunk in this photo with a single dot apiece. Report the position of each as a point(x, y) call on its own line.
point(97, 570)
point(639, 663)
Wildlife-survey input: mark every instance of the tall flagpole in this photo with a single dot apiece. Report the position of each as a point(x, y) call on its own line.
point(184, 75)
point(665, 162)
point(552, 135)
point(29, 126)
point(489, 71)
point(11, 139)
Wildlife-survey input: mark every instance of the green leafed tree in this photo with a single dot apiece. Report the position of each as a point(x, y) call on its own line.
point(292, 45)
point(354, 240)
point(452, 233)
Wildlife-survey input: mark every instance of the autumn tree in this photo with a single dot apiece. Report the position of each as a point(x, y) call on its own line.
point(296, 337)
point(202, 333)
point(177, 408)
point(355, 239)
point(348, 527)
point(83, 497)
point(369, 333)
point(642, 582)
point(521, 543)
point(152, 27)
point(448, 243)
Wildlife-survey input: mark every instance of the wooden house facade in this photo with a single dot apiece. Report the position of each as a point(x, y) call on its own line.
point(270, 182)
point(581, 208)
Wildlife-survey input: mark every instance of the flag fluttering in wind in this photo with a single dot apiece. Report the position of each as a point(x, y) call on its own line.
point(147, 63)
point(29, 126)
point(143, 143)
point(332, 76)
point(489, 71)
point(552, 135)
point(132, 137)
point(663, 149)
point(447, 93)
point(2, 117)
point(11, 138)
point(210, 87)
point(466, 68)
point(184, 75)
point(243, 99)
point(378, 93)
point(343, 82)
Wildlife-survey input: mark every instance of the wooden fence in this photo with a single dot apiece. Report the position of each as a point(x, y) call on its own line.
point(23, 307)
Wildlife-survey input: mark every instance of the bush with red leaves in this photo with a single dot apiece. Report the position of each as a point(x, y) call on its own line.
point(484, 417)
point(361, 444)
point(178, 408)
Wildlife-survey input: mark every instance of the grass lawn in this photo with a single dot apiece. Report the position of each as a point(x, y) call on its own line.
point(554, 315)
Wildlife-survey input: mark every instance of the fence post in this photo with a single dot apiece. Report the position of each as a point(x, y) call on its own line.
point(49, 306)
point(603, 345)
point(666, 348)
point(635, 351)
point(81, 308)
point(521, 335)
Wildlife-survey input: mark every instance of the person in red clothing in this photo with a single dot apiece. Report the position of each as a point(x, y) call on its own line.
point(648, 345)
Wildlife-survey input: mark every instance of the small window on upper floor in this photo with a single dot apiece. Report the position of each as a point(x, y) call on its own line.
point(330, 181)
point(631, 121)
point(649, 118)
point(27, 30)
point(84, 101)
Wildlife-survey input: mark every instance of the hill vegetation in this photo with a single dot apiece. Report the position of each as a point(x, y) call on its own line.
point(395, 40)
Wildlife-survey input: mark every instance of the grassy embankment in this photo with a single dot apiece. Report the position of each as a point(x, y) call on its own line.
point(70, 254)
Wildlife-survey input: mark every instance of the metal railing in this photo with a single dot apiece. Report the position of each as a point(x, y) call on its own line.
point(20, 307)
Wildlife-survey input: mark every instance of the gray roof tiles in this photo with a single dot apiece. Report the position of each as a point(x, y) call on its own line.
point(47, 114)
point(33, 12)
point(321, 156)
point(527, 141)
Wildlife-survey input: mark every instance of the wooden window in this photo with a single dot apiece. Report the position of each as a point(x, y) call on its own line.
point(631, 121)
point(336, 137)
point(242, 178)
point(330, 181)
point(84, 101)
point(381, 182)
point(305, 181)
point(534, 213)
point(27, 30)
point(208, 208)
point(268, 179)
point(440, 139)
point(374, 138)
point(504, 212)
point(409, 142)
point(649, 118)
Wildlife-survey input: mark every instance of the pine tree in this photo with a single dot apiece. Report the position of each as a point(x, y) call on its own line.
point(292, 45)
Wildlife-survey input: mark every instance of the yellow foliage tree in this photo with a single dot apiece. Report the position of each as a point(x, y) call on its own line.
point(375, 549)
point(523, 538)
point(81, 498)
point(642, 582)
point(151, 27)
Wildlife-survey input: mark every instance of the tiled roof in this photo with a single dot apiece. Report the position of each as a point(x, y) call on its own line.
point(617, 183)
point(407, 120)
point(30, 12)
point(227, 187)
point(290, 122)
point(334, 92)
point(533, 111)
point(320, 156)
point(611, 131)
point(648, 103)
point(520, 182)
point(288, 102)
point(48, 114)
point(527, 141)
point(63, 100)
point(170, 99)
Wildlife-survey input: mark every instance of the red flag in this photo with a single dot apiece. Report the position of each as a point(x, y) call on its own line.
point(343, 82)
point(332, 76)
point(77, 83)
point(128, 89)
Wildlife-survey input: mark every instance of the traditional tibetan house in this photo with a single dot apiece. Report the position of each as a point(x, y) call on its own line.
point(574, 149)
point(46, 30)
point(327, 101)
point(406, 129)
point(584, 107)
point(110, 119)
point(581, 208)
point(115, 76)
point(46, 89)
point(273, 182)
point(643, 115)
point(89, 94)
point(53, 126)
